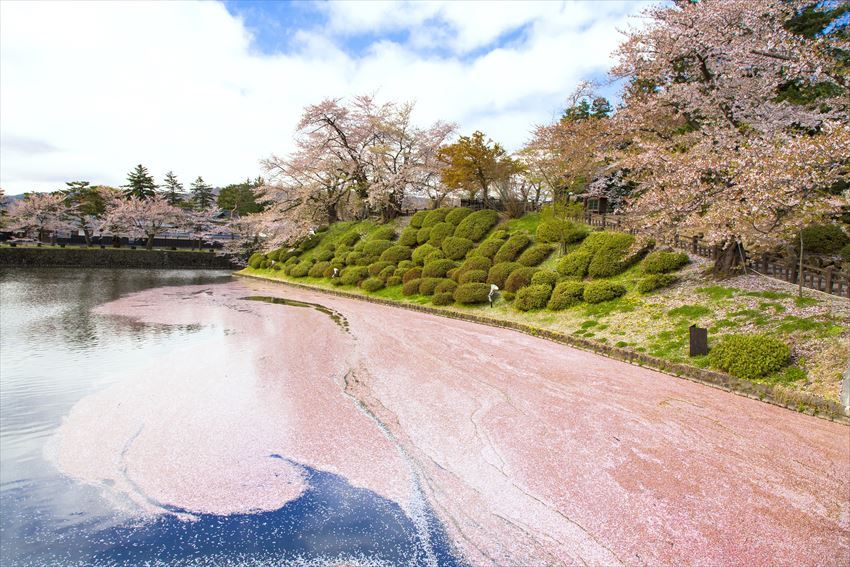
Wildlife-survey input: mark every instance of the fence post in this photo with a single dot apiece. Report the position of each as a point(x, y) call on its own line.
point(829, 280)
point(764, 264)
point(694, 244)
point(603, 221)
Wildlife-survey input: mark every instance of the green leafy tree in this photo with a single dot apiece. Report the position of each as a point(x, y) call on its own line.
point(174, 193)
point(202, 194)
point(86, 205)
point(140, 184)
point(241, 198)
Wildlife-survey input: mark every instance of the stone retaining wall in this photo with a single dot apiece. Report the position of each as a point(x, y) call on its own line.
point(797, 401)
point(110, 258)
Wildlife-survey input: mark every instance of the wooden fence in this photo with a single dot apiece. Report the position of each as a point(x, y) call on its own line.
point(826, 280)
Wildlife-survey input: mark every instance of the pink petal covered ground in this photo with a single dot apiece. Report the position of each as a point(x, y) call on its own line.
point(530, 452)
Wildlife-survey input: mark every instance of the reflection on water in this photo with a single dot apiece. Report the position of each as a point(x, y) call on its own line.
point(53, 352)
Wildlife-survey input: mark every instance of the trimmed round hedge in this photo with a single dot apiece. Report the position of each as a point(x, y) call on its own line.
point(512, 248)
point(318, 269)
point(662, 262)
point(559, 230)
point(423, 235)
point(349, 238)
point(655, 281)
point(393, 281)
point(488, 248)
point(408, 237)
point(324, 255)
point(456, 247)
point(574, 264)
point(255, 260)
point(434, 256)
point(446, 286)
point(437, 268)
point(475, 226)
point(434, 217)
point(411, 287)
point(532, 297)
point(749, 356)
point(468, 276)
point(372, 284)
point(411, 274)
point(353, 275)
point(457, 214)
point(545, 277)
point(387, 272)
point(444, 298)
point(499, 273)
point(566, 294)
point(396, 254)
point(608, 249)
point(406, 264)
point(472, 293)
point(599, 291)
point(421, 253)
point(439, 232)
point(477, 263)
point(376, 267)
point(417, 218)
point(383, 233)
point(535, 255)
point(300, 270)
point(519, 278)
point(428, 285)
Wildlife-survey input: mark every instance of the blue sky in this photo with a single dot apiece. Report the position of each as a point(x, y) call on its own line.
point(90, 89)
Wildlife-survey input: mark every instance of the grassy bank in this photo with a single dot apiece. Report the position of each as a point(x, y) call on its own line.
point(816, 327)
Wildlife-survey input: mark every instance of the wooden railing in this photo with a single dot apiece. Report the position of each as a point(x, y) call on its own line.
point(827, 280)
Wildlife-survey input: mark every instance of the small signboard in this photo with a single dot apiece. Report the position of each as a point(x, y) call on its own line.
point(699, 341)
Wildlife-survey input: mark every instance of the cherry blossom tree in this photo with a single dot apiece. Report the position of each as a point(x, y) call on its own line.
point(41, 212)
point(709, 135)
point(142, 217)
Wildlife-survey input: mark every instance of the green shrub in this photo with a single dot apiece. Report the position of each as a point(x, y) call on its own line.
point(406, 264)
point(458, 214)
point(324, 255)
point(309, 242)
point(337, 263)
point(352, 257)
point(353, 275)
point(411, 274)
point(476, 225)
point(477, 263)
point(276, 266)
point(467, 276)
point(318, 269)
point(608, 249)
point(566, 294)
point(366, 259)
point(545, 277)
point(421, 253)
point(519, 278)
point(661, 262)
point(655, 281)
point(471, 293)
point(387, 272)
point(376, 267)
point(434, 256)
point(559, 230)
point(535, 255)
point(329, 271)
point(300, 270)
point(372, 284)
point(383, 233)
point(435, 216)
point(456, 248)
point(255, 260)
point(597, 292)
point(273, 255)
point(411, 287)
point(265, 264)
point(349, 239)
point(488, 248)
point(443, 298)
point(749, 356)
point(393, 281)
point(499, 273)
point(845, 253)
point(454, 273)
point(823, 239)
point(428, 285)
point(574, 264)
point(532, 297)
point(423, 235)
point(291, 261)
point(512, 248)
point(409, 237)
point(439, 232)
point(396, 254)
point(445, 286)
point(417, 218)
point(437, 269)
point(377, 247)
point(359, 246)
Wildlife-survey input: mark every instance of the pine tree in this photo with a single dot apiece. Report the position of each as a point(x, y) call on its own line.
point(173, 189)
point(202, 194)
point(141, 183)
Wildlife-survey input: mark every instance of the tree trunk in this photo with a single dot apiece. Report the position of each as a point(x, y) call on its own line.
point(333, 215)
point(116, 241)
point(149, 244)
point(87, 234)
point(728, 261)
point(800, 272)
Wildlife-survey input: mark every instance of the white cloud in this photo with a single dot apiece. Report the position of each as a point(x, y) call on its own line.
point(88, 90)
